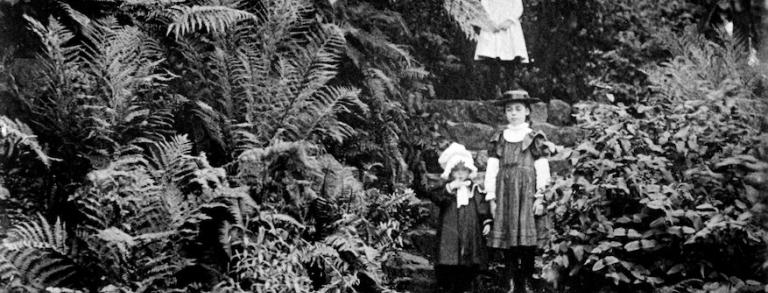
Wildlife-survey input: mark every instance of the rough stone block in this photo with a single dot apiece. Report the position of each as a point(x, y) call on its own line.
point(481, 159)
point(423, 241)
point(560, 113)
point(560, 167)
point(410, 272)
point(467, 111)
point(538, 112)
point(565, 135)
point(474, 136)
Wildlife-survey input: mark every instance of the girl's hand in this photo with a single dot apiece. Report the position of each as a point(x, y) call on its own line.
point(503, 26)
point(486, 229)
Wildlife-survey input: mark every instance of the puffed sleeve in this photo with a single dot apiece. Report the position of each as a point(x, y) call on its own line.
point(516, 10)
point(540, 146)
point(493, 150)
point(492, 167)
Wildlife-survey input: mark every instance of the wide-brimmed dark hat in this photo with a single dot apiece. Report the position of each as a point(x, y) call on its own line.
point(515, 96)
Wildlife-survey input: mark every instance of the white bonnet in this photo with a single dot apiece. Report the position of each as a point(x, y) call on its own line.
point(452, 156)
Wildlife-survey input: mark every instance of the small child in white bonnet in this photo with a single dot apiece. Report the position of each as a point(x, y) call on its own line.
point(464, 218)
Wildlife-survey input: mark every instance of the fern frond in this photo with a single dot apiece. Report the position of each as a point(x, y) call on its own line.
point(468, 14)
point(213, 19)
point(319, 117)
point(171, 161)
point(14, 133)
point(7, 270)
point(39, 252)
point(272, 218)
point(38, 236)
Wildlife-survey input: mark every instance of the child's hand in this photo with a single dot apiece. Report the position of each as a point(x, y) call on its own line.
point(538, 207)
point(486, 229)
point(453, 185)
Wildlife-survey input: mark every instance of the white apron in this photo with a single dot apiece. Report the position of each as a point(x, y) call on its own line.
point(506, 44)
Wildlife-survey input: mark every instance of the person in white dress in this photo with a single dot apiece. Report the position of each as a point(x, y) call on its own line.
point(501, 40)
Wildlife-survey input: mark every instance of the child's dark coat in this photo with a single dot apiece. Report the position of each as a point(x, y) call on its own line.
point(460, 236)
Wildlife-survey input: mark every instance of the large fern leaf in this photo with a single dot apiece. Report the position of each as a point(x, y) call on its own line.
point(171, 160)
point(213, 19)
point(319, 117)
point(38, 250)
point(468, 14)
point(15, 134)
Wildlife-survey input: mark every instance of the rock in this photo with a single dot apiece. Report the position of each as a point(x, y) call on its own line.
point(481, 159)
point(538, 112)
point(560, 167)
point(565, 136)
point(410, 272)
point(434, 212)
point(467, 111)
point(474, 136)
point(560, 113)
point(423, 241)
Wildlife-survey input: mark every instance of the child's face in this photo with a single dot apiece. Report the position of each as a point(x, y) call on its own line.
point(516, 113)
point(460, 174)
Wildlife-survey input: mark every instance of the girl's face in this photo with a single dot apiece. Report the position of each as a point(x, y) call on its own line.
point(516, 113)
point(460, 174)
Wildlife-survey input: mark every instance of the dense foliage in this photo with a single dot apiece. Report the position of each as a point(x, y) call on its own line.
point(190, 146)
point(268, 146)
point(659, 197)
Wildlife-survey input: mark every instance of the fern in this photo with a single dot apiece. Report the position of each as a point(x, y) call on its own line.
point(15, 134)
point(468, 14)
point(213, 19)
point(38, 250)
point(171, 161)
point(318, 118)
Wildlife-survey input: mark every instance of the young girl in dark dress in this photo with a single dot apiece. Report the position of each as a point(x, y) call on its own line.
point(464, 217)
point(516, 174)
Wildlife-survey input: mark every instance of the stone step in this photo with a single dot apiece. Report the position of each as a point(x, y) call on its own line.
point(422, 241)
point(476, 111)
point(475, 136)
point(556, 112)
point(410, 273)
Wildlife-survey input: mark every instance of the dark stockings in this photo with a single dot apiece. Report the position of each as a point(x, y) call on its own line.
point(455, 279)
point(519, 262)
point(501, 75)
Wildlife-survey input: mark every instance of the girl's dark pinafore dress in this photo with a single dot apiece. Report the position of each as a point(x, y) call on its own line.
point(514, 224)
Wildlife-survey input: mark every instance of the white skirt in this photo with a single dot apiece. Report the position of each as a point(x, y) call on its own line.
point(505, 45)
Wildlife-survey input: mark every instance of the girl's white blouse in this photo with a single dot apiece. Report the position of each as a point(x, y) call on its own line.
point(506, 44)
point(541, 165)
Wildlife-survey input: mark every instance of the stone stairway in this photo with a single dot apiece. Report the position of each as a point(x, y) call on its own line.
point(471, 123)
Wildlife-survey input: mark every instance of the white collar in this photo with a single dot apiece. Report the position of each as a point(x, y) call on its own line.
point(516, 133)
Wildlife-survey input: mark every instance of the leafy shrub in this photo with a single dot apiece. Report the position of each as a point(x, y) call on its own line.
point(651, 202)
